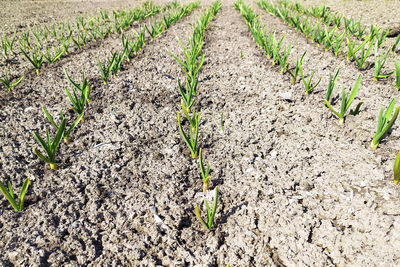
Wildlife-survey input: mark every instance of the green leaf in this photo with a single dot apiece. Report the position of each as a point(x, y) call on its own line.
point(22, 194)
point(396, 168)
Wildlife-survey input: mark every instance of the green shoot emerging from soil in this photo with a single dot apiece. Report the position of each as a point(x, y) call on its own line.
point(106, 70)
point(204, 172)
point(7, 83)
point(36, 59)
point(191, 140)
point(50, 147)
point(307, 82)
point(83, 85)
point(67, 132)
point(384, 123)
point(210, 213)
point(331, 86)
point(396, 169)
point(346, 102)
point(396, 64)
point(299, 63)
point(9, 194)
point(379, 62)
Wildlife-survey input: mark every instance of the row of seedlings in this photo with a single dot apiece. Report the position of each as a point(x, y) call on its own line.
point(385, 117)
point(79, 98)
point(191, 64)
point(52, 43)
point(131, 46)
point(273, 48)
point(334, 40)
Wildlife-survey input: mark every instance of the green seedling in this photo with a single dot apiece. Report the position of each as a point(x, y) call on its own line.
point(396, 43)
point(299, 63)
point(50, 58)
point(66, 42)
point(351, 48)
point(373, 33)
point(50, 147)
point(396, 64)
point(346, 102)
point(156, 29)
point(384, 123)
point(204, 172)
point(381, 38)
point(210, 214)
point(307, 82)
point(8, 45)
point(67, 132)
point(7, 83)
point(337, 43)
point(188, 96)
point(361, 62)
point(105, 71)
point(396, 169)
point(276, 49)
point(118, 58)
point(283, 59)
point(18, 204)
point(329, 38)
point(78, 102)
point(82, 86)
point(25, 41)
point(331, 85)
point(379, 62)
point(36, 59)
point(190, 141)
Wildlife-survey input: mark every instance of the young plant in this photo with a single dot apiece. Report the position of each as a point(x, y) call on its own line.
point(299, 63)
point(396, 169)
point(307, 82)
point(36, 59)
point(50, 147)
point(346, 102)
point(204, 172)
point(381, 38)
point(83, 85)
point(361, 62)
point(331, 85)
point(379, 62)
point(384, 123)
point(10, 43)
point(283, 59)
point(396, 43)
point(78, 102)
point(210, 213)
point(66, 42)
point(396, 64)
point(18, 204)
point(337, 43)
point(351, 48)
point(156, 29)
point(191, 141)
point(50, 58)
point(7, 83)
point(105, 71)
point(276, 49)
point(67, 132)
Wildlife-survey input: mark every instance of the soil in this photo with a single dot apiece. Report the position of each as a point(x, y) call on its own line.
point(295, 188)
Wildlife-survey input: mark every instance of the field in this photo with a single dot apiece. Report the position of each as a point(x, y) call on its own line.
point(296, 184)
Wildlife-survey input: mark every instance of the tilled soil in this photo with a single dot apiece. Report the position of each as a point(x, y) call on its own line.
point(295, 188)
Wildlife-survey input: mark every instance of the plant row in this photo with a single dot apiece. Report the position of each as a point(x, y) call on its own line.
point(52, 43)
point(191, 65)
point(79, 97)
point(386, 117)
point(334, 40)
point(131, 45)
